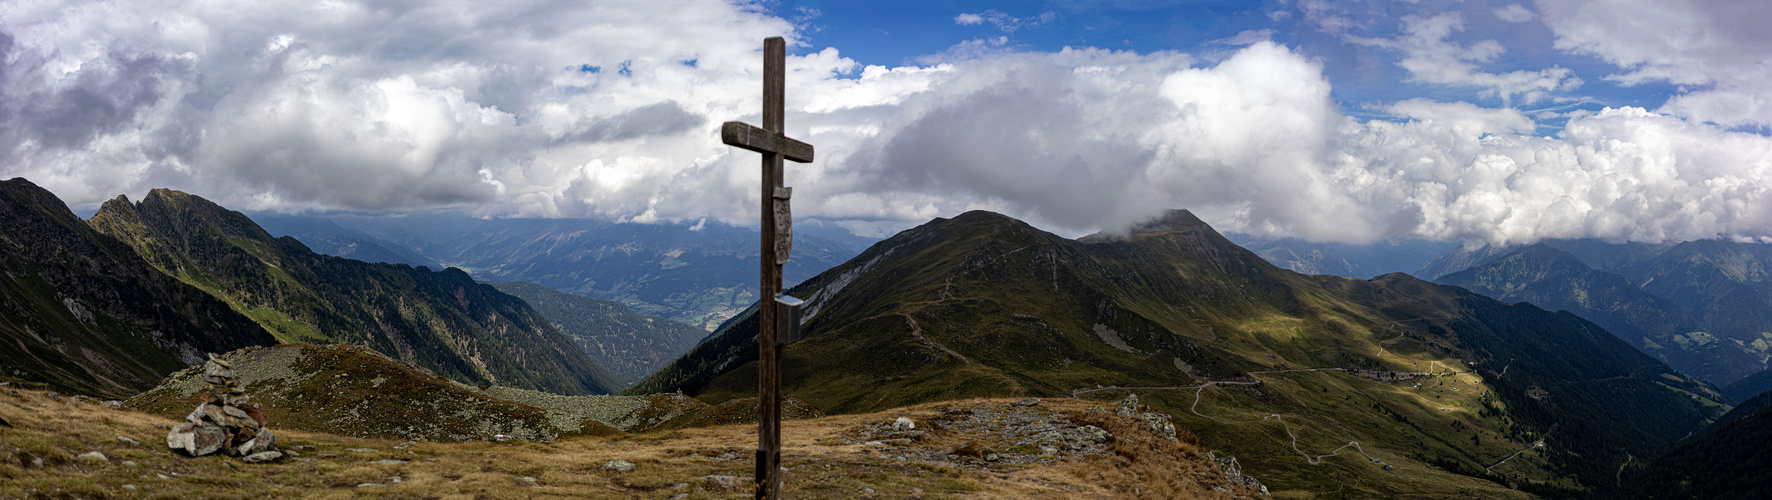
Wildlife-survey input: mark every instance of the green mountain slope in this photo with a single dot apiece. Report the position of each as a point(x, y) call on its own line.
point(1556, 280)
point(80, 312)
point(442, 321)
point(632, 346)
point(1454, 388)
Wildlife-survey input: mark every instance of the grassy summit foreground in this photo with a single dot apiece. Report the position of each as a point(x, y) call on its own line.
point(965, 448)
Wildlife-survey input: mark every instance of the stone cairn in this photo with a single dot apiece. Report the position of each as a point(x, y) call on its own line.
point(226, 421)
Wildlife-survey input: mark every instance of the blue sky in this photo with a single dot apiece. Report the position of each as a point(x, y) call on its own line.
point(1350, 121)
point(900, 33)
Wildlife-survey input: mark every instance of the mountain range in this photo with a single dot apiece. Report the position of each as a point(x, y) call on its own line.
point(700, 274)
point(439, 320)
point(1322, 385)
point(1285, 370)
point(1701, 306)
point(1342, 259)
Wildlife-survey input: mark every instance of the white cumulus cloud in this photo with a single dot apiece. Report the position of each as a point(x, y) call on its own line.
point(1720, 48)
point(612, 109)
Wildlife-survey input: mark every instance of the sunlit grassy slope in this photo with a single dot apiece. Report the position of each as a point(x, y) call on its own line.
point(984, 305)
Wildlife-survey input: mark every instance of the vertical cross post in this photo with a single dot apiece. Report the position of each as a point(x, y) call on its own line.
point(769, 356)
point(777, 238)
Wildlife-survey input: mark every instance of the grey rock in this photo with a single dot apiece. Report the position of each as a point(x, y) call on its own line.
point(1128, 407)
point(389, 461)
point(131, 442)
point(183, 438)
point(721, 483)
point(112, 403)
point(1160, 424)
point(528, 481)
point(619, 465)
point(264, 441)
point(1027, 402)
point(1234, 472)
point(207, 439)
point(93, 456)
point(262, 457)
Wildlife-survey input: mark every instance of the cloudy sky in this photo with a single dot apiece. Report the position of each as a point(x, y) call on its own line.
point(1496, 121)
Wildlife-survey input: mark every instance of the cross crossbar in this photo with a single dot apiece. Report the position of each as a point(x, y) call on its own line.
point(763, 141)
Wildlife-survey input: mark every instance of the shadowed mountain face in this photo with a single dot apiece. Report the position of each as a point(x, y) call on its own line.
point(1430, 376)
point(701, 275)
point(1705, 307)
point(442, 321)
point(1727, 461)
point(81, 312)
point(629, 344)
point(1557, 280)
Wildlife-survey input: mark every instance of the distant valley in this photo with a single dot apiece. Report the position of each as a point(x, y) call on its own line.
point(699, 274)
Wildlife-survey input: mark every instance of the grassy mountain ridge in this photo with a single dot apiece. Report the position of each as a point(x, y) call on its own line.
point(630, 345)
point(1444, 382)
point(440, 320)
point(81, 312)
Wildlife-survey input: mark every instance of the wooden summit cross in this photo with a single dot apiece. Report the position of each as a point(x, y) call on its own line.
point(775, 311)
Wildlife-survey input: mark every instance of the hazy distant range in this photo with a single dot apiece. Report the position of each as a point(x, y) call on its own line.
point(700, 274)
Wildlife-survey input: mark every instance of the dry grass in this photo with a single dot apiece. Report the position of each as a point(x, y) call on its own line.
point(820, 462)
